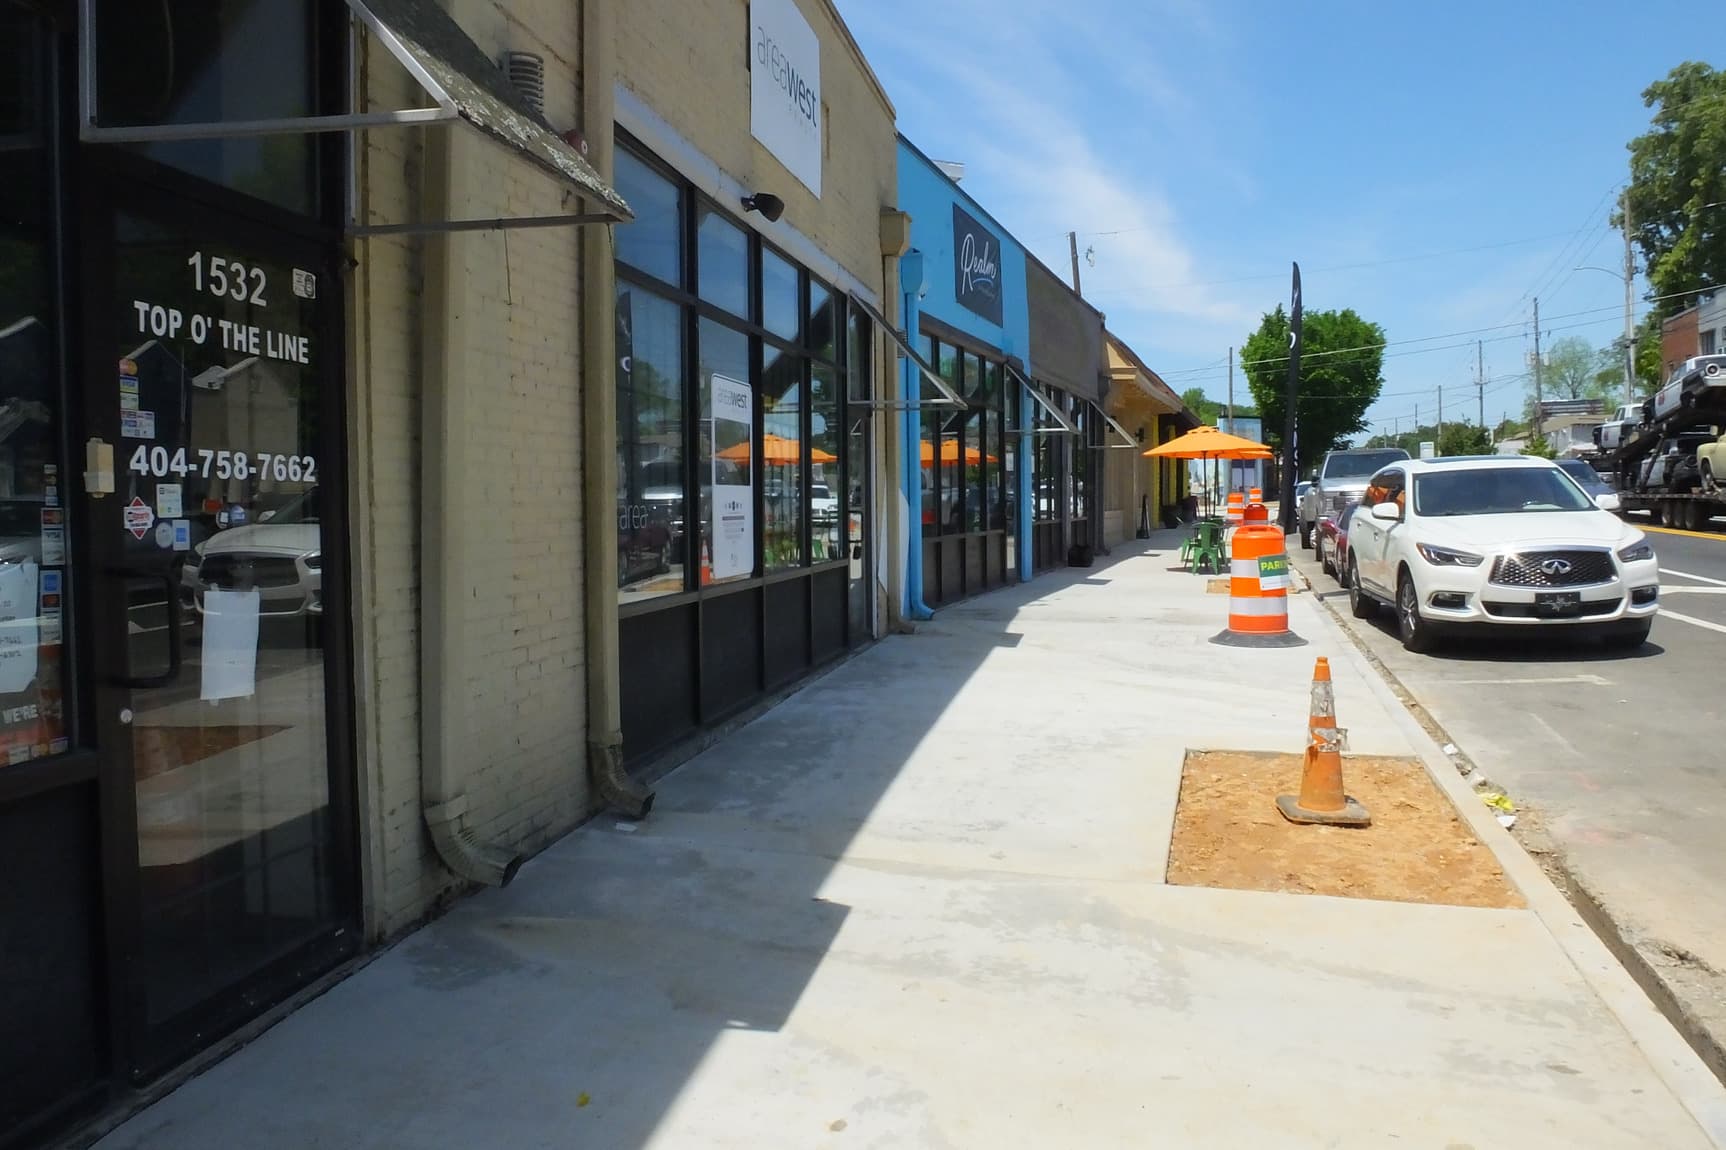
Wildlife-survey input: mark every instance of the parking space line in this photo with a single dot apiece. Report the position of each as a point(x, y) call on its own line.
point(1689, 619)
point(1714, 535)
point(1698, 578)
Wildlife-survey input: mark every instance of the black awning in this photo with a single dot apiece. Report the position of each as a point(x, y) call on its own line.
point(463, 83)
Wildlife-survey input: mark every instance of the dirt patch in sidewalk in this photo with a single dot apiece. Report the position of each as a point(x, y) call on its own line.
point(1228, 834)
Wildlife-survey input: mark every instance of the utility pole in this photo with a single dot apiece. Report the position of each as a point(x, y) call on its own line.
point(1439, 441)
point(1539, 423)
point(1629, 308)
point(1231, 391)
point(1073, 249)
point(1480, 379)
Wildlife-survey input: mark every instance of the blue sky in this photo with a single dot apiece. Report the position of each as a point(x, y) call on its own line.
point(1198, 146)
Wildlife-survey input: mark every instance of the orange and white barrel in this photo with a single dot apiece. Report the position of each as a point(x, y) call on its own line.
point(1258, 589)
point(1237, 508)
point(1255, 495)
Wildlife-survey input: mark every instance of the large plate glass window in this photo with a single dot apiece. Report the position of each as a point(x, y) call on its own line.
point(651, 523)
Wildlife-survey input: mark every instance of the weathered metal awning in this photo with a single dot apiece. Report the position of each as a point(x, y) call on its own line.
point(1063, 425)
point(462, 82)
point(948, 397)
point(1127, 439)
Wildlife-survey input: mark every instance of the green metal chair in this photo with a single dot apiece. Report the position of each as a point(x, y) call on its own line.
point(1208, 546)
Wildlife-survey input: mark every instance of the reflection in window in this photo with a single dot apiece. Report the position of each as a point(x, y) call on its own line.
point(651, 545)
point(857, 475)
point(723, 256)
point(781, 307)
point(824, 448)
point(928, 429)
point(216, 60)
point(653, 241)
point(726, 463)
point(952, 498)
point(822, 334)
point(32, 531)
point(996, 516)
point(782, 459)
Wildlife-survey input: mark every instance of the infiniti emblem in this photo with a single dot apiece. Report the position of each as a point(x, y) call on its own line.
point(1555, 566)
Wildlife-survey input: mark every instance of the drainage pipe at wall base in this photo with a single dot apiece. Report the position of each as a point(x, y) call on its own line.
point(608, 780)
point(444, 579)
point(911, 287)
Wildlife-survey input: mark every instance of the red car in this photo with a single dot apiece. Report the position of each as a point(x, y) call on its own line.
point(1333, 542)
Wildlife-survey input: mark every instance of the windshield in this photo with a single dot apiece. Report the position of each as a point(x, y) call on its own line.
point(302, 508)
point(1582, 473)
point(1497, 491)
point(1360, 464)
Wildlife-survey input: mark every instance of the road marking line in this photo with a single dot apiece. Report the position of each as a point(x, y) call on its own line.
point(1687, 575)
point(1696, 622)
point(1591, 680)
point(1714, 535)
point(1671, 590)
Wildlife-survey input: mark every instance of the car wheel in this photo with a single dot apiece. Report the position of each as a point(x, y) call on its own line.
point(1306, 533)
point(1415, 631)
point(1705, 471)
point(1360, 605)
point(1630, 638)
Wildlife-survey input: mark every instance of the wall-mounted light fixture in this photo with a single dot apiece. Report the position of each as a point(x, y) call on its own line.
point(769, 205)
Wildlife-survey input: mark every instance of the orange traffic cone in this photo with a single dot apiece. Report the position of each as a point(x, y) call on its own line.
point(1321, 798)
point(706, 566)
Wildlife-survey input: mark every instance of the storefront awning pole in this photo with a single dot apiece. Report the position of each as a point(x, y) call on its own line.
point(1126, 438)
point(1064, 426)
point(949, 397)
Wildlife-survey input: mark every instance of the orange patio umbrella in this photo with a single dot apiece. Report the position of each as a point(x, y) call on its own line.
point(777, 449)
point(950, 453)
point(1207, 443)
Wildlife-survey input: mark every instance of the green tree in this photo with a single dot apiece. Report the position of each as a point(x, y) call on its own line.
point(1458, 438)
point(1539, 446)
point(1341, 374)
point(1678, 169)
point(1201, 405)
point(1572, 370)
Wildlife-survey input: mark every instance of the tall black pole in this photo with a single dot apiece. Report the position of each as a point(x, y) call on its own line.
point(1290, 459)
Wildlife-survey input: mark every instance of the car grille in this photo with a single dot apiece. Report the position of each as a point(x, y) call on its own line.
point(1530, 611)
point(244, 572)
point(1525, 570)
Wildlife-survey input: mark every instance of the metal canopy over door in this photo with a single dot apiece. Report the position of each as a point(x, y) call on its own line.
point(213, 419)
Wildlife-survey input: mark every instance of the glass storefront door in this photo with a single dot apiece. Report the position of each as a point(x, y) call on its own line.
point(216, 647)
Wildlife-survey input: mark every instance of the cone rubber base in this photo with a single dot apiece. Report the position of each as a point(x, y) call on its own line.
point(1228, 638)
point(1351, 815)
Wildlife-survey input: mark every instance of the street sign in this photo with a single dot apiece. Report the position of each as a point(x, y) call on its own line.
point(1428, 449)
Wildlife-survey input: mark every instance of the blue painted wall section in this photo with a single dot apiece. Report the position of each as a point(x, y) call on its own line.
point(929, 196)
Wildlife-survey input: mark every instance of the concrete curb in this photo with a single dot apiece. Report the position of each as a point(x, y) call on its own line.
point(1672, 1058)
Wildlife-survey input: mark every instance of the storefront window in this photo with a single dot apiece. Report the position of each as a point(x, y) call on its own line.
point(781, 302)
point(32, 520)
point(215, 60)
point(857, 371)
point(782, 458)
point(723, 256)
point(997, 516)
point(725, 470)
point(824, 448)
point(972, 463)
point(1080, 413)
point(651, 548)
point(653, 241)
point(823, 335)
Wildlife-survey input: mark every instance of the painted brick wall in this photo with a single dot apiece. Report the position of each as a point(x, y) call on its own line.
point(690, 63)
point(523, 728)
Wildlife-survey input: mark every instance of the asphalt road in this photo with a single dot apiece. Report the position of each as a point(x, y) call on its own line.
point(1621, 756)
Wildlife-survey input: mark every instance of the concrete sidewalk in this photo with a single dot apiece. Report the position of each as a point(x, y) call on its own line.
point(920, 904)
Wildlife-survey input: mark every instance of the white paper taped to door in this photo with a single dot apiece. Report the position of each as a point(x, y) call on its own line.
point(230, 644)
point(18, 627)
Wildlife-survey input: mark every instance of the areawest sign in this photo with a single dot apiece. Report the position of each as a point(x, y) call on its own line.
point(785, 88)
point(976, 266)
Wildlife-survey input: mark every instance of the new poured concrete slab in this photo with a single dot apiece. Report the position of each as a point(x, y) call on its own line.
point(920, 904)
point(727, 997)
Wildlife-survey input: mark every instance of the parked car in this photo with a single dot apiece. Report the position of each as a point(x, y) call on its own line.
point(1497, 540)
point(280, 556)
point(1591, 481)
point(1333, 542)
point(1340, 481)
point(1301, 489)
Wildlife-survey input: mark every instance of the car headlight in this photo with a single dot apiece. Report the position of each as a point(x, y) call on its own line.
point(314, 561)
point(1640, 551)
point(1445, 557)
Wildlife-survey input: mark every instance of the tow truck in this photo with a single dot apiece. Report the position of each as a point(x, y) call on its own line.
point(1668, 463)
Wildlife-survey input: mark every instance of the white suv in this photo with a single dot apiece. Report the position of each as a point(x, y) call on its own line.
point(1507, 541)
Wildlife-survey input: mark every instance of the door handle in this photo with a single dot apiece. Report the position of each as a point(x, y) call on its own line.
point(169, 577)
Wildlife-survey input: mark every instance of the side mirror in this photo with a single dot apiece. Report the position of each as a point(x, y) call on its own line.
point(1386, 512)
point(266, 516)
point(1608, 501)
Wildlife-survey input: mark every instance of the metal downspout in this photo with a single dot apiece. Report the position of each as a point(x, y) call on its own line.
point(911, 287)
point(609, 780)
point(444, 578)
